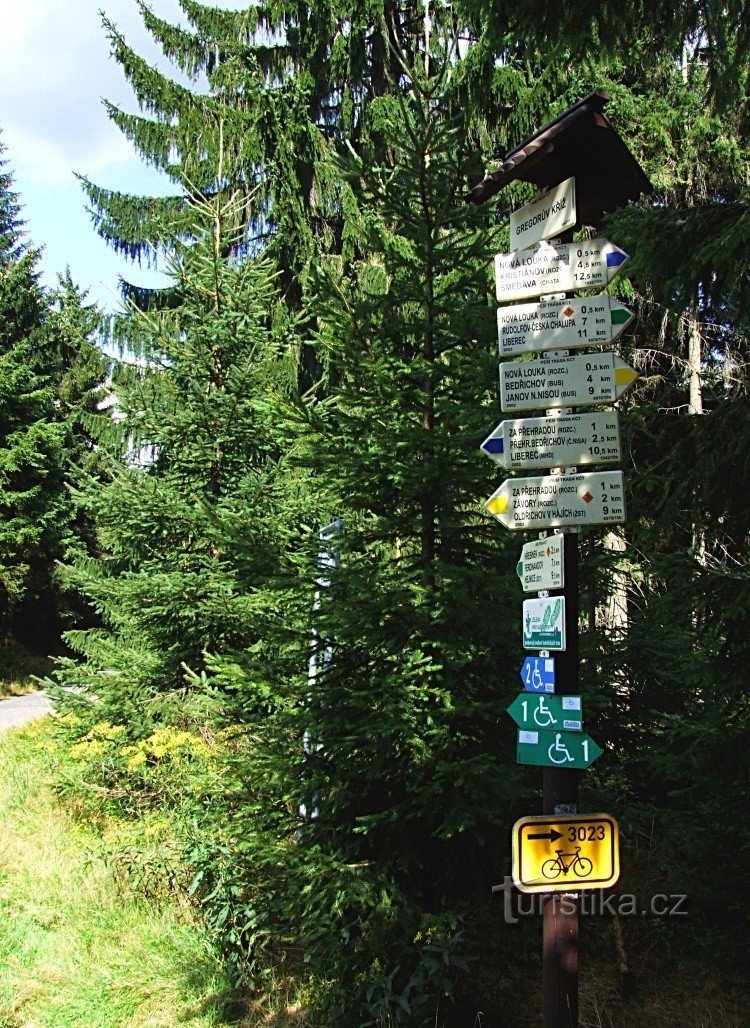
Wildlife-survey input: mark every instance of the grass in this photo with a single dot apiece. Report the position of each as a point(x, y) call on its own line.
point(73, 950)
point(19, 669)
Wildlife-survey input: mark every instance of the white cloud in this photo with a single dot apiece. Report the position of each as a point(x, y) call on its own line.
point(55, 66)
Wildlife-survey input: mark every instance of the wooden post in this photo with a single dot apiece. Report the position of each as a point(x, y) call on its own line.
point(560, 790)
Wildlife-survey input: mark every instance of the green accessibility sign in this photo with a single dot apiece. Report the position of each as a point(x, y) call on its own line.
point(557, 749)
point(544, 623)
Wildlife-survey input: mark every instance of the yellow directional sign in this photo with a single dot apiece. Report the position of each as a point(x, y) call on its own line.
point(566, 854)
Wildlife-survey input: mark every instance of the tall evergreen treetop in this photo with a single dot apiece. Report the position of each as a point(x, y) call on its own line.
point(10, 213)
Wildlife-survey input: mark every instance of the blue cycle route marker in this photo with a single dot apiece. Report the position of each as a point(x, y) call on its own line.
point(538, 674)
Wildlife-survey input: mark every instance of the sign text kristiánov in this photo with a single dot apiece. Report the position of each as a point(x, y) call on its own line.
point(556, 268)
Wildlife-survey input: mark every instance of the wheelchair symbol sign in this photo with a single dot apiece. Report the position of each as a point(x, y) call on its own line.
point(538, 674)
point(551, 712)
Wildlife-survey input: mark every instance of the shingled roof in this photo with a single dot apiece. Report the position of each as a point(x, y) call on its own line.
point(581, 142)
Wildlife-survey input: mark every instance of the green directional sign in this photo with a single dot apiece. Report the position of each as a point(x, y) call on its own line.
point(556, 749)
point(551, 713)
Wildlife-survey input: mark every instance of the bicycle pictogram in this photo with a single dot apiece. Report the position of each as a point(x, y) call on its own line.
point(565, 862)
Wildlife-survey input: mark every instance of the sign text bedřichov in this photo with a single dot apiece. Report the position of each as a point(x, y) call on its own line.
point(575, 381)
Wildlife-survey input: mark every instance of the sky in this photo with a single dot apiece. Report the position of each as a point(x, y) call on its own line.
point(55, 67)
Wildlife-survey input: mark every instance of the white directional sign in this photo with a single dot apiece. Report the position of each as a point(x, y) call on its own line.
point(575, 381)
point(551, 501)
point(544, 623)
point(541, 565)
point(552, 324)
point(556, 442)
point(549, 216)
point(557, 268)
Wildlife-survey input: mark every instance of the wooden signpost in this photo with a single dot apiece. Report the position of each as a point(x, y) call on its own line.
point(584, 170)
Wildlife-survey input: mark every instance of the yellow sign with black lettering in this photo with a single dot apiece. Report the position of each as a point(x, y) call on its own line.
point(566, 853)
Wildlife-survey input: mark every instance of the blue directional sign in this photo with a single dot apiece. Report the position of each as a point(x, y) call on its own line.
point(538, 674)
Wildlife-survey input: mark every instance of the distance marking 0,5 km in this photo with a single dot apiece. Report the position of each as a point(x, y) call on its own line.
point(557, 268)
point(554, 324)
point(580, 380)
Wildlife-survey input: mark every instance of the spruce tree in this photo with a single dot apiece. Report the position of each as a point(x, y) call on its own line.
point(42, 357)
point(377, 788)
point(192, 450)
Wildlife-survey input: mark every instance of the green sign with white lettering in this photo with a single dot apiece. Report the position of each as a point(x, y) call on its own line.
point(557, 749)
point(551, 713)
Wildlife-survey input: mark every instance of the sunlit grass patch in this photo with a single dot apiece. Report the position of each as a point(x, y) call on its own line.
point(73, 949)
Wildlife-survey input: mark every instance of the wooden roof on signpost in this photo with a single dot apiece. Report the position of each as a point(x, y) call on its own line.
point(581, 142)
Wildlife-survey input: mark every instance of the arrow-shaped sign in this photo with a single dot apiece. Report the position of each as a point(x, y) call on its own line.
point(549, 713)
point(557, 749)
point(554, 324)
point(542, 564)
point(577, 381)
point(538, 674)
point(557, 268)
point(551, 501)
point(556, 442)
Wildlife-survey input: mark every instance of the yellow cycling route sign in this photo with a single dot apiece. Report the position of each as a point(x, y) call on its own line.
point(566, 854)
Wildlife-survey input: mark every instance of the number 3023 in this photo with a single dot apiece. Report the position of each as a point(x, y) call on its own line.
point(582, 833)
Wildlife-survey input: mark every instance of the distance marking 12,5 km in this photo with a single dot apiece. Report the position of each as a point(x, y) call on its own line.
point(557, 268)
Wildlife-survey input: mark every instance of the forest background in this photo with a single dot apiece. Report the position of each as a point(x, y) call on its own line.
point(307, 736)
